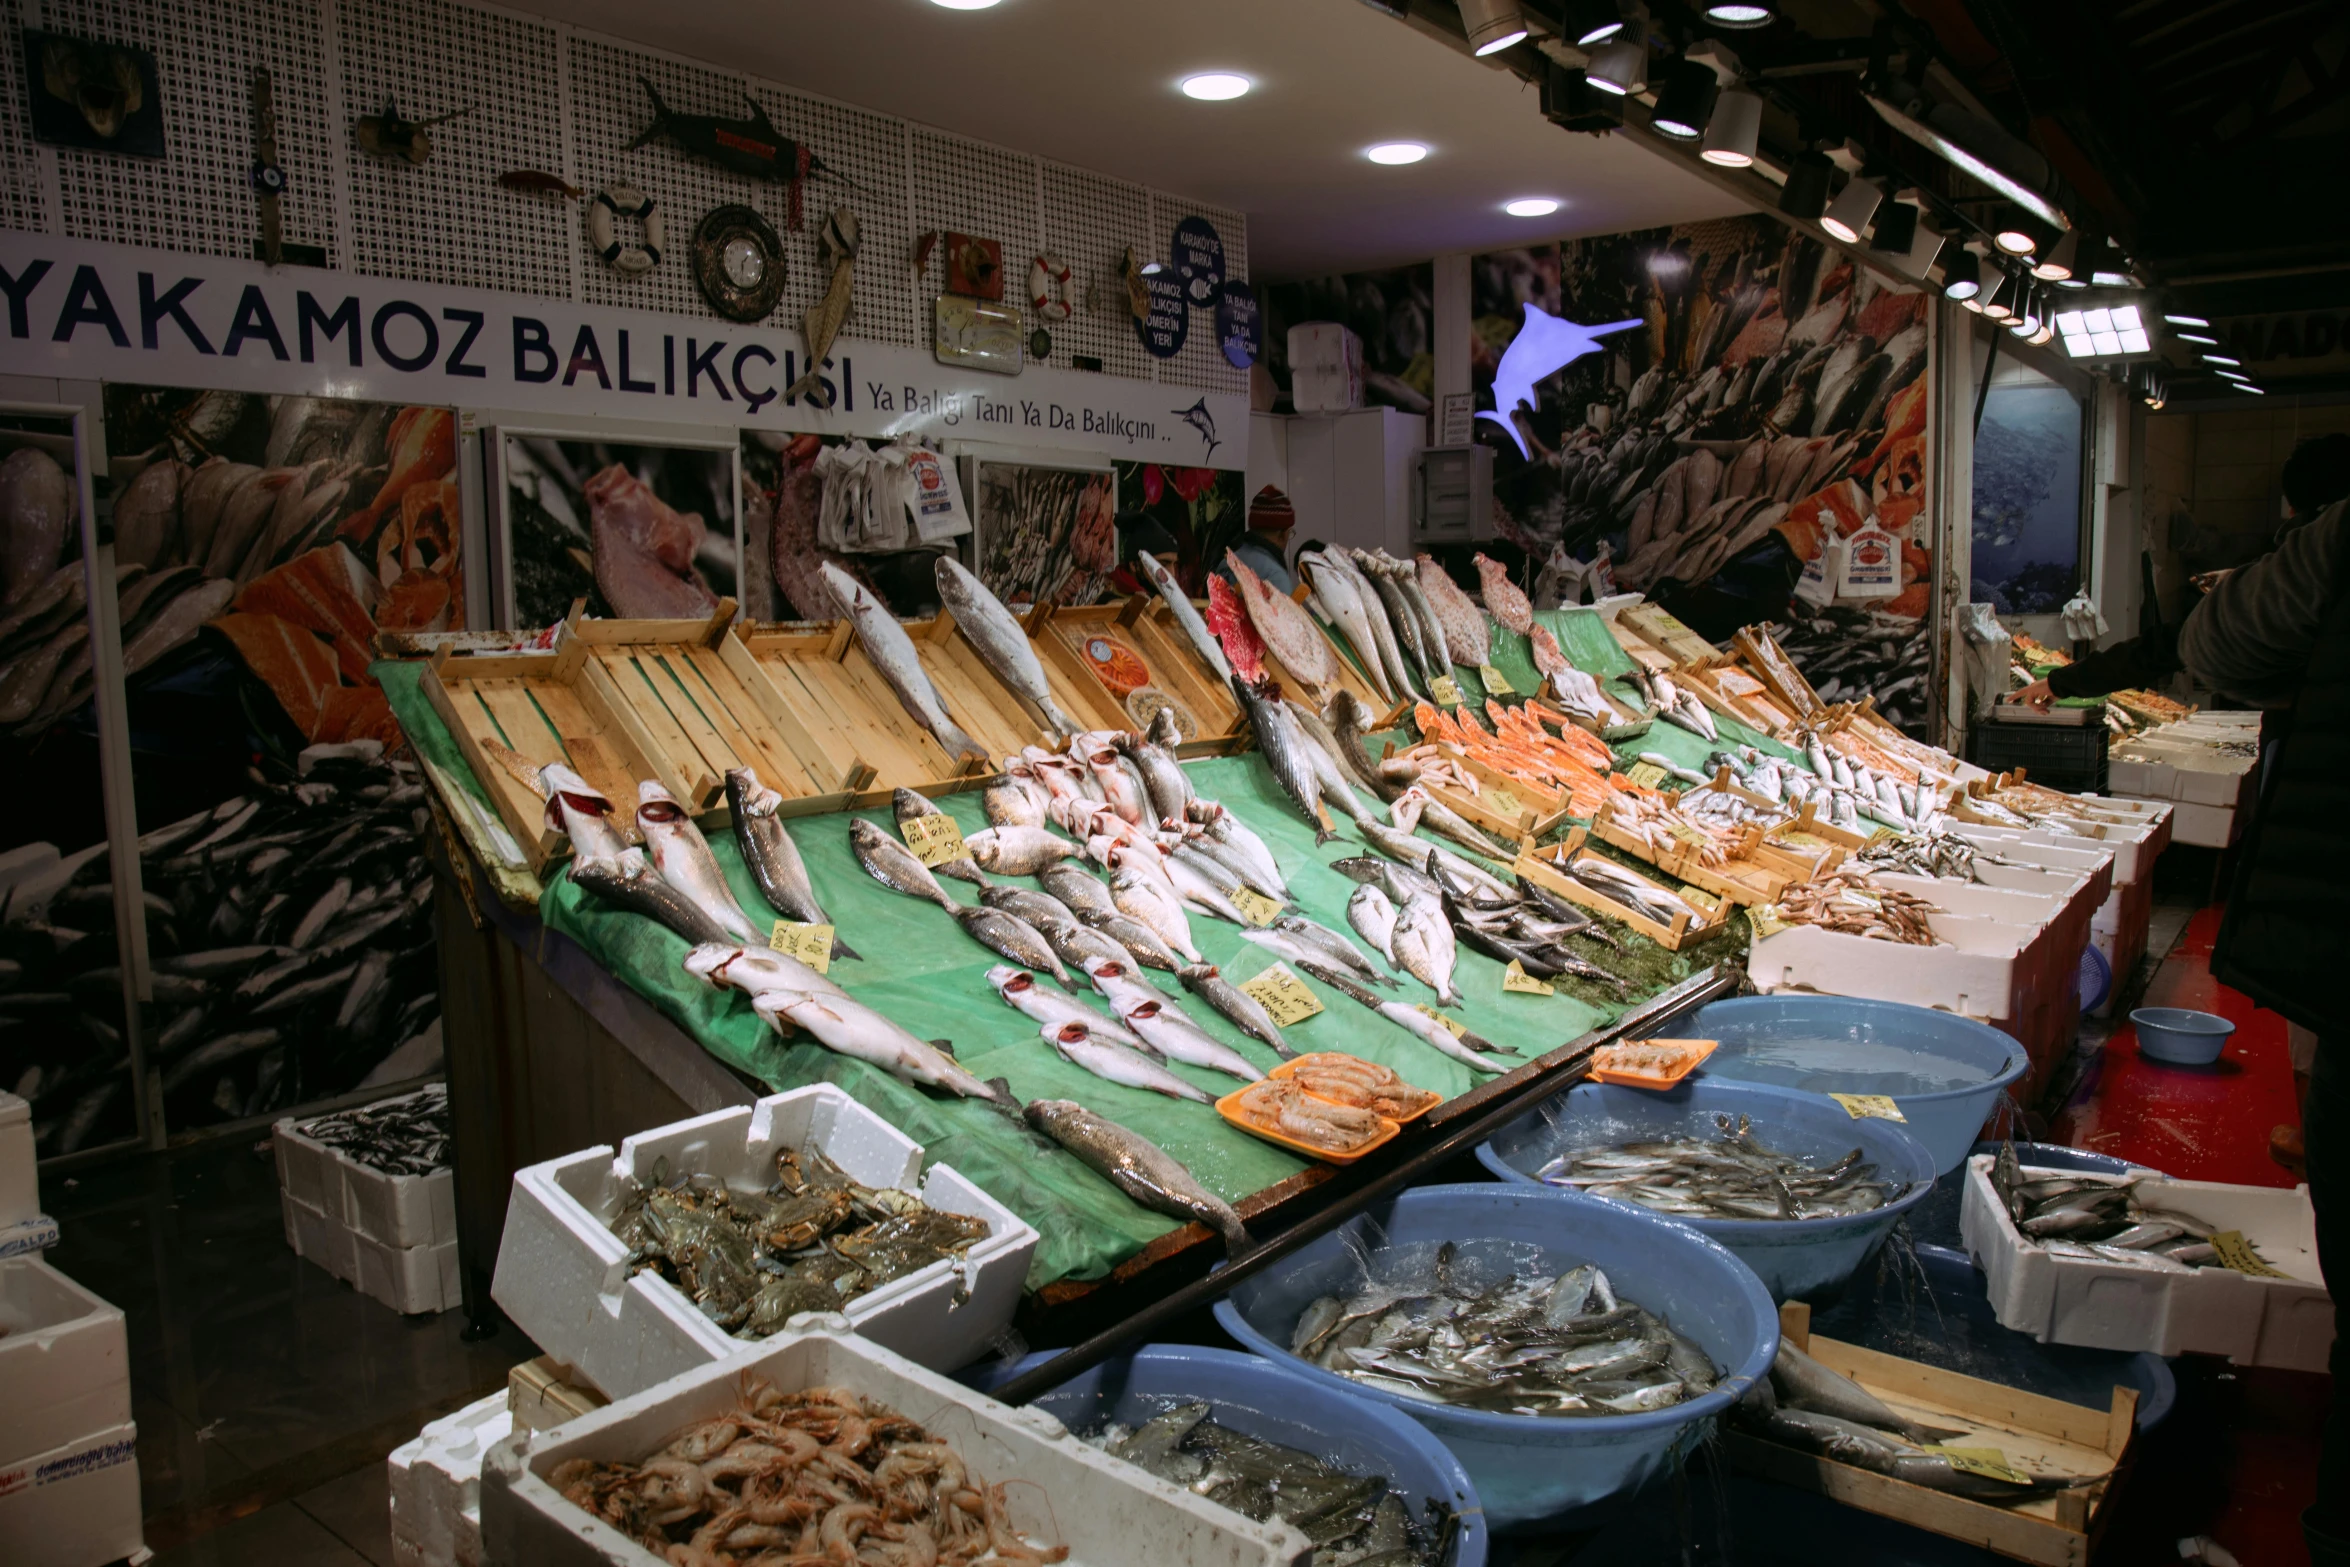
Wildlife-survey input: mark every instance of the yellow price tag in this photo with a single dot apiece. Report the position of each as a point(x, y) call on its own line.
point(1765, 919)
point(1797, 840)
point(1869, 1106)
point(1455, 1029)
point(1515, 978)
point(1646, 774)
point(1261, 910)
point(2237, 1253)
point(934, 839)
point(811, 944)
point(1988, 1462)
point(1284, 995)
point(1446, 690)
point(1688, 835)
point(1496, 683)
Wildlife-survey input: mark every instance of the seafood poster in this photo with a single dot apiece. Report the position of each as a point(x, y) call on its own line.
point(2027, 551)
point(1045, 533)
point(1771, 400)
point(640, 531)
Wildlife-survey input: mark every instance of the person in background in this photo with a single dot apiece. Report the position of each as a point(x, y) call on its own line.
point(1138, 535)
point(1264, 547)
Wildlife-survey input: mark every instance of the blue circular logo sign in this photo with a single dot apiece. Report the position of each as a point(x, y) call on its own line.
point(1240, 324)
point(1169, 321)
point(1199, 261)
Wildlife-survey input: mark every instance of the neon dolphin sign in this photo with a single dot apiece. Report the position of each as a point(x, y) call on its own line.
point(1544, 346)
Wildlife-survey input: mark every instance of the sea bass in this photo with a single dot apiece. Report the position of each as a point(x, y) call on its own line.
point(997, 637)
point(892, 652)
point(1138, 1167)
point(767, 848)
point(631, 883)
point(892, 864)
point(1342, 602)
point(1170, 1034)
point(907, 805)
point(1023, 994)
point(755, 970)
point(683, 857)
point(1112, 1062)
point(1186, 614)
point(582, 813)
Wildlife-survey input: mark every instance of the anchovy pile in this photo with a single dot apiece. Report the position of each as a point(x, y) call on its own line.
point(404, 1136)
point(1456, 1331)
point(289, 936)
point(1353, 1520)
point(1843, 794)
point(2088, 1216)
point(814, 1240)
point(1731, 1176)
point(1943, 856)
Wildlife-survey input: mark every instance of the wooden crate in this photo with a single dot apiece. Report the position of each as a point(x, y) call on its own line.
point(1145, 628)
point(1769, 663)
point(1542, 868)
point(854, 735)
point(1742, 878)
point(1664, 633)
point(2042, 1435)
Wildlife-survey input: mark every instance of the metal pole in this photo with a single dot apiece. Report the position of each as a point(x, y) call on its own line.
point(1568, 1068)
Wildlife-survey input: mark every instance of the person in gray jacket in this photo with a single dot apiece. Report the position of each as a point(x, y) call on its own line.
point(2251, 636)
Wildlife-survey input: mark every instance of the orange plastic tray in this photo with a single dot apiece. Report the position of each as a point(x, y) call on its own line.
point(1290, 1069)
point(1229, 1107)
point(1693, 1054)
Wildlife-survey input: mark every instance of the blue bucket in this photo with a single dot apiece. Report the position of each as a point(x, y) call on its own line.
point(1532, 1469)
point(1795, 1259)
point(1274, 1404)
point(2180, 1036)
point(1946, 1073)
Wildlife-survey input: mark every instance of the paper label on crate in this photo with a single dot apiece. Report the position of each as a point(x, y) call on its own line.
point(1689, 835)
point(1284, 995)
point(1863, 1107)
point(1515, 978)
point(811, 944)
point(1765, 919)
point(1988, 1462)
point(1646, 774)
point(2237, 1253)
point(1261, 910)
point(1496, 683)
point(1446, 690)
point(934, 839)
point(1451, 1027)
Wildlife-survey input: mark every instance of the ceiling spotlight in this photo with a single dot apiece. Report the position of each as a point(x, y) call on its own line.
point(1571, 102)
point(963, 5)
point(2196, 337)
point(1591, 22)
point(2222, 359)
point(1531, 207)
point(1731, 134)
point(2247, 386)
point(2046, 332)
point(2015, 239)
point(1962, 276)
point(1896, 228)
point(1394, 152)
point(1619, 66)
point(1805, 196)
point(1686, 100)
point(2001, 307)
point(2186, 320)
point(1850, 212)
point(2027, 312)
point(1215, 86)
point(2061, 258)
point(1739, 14)
point(1493, 25)
point(1980, 148)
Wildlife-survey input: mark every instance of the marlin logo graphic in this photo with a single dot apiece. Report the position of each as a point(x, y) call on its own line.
point(1543, 346)
point(1198, 417)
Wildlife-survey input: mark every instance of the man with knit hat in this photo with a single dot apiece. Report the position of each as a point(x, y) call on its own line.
point(1264, 548)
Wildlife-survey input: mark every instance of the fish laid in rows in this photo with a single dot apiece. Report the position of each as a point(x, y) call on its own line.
point(1025, 994)
point(682, 855)
point(1470, 1049)
point(892, 864)
point(852, 1029)
point(1729, 1176)
point(774, 859)
point(1185, 614)
point(1238, 1007)
point(885, 642)
point(1171, 1034)
point(906, 805)
point(2080, 1216)
point(998, 637)
point(1140, 1168)
point(1112, 1062)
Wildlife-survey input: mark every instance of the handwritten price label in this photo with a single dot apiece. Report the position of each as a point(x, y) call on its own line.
point(1496, 683)
point(811, 944)
point(1646, 774)
point(934, 839)
point(1515, 978)
point(1284, 995)
point(1261, 910)
point(1863, 1107)
point(1765, 919)
point(1988, 1462)
point(2236, 1252)
point(1455, 1029)
point(1446, 690)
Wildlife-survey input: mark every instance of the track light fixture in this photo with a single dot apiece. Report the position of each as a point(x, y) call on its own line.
point(2027, 311)
point(1979, 148)
point(1571, 102)
point(2061, 259)
point(2002, 305)
point(2021, 234)
point(1731, 135)
point(1685, 101)
point(1962, 275)
point(1852, 209)
point(1896, 228)
point(1805, 195)
point(1492, 25)
point(1589, 23)
point(1740, 13)
point(1619, 66)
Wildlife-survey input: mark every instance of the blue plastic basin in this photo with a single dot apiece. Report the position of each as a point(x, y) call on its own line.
point(1274, 1404)
point(1946, 1073)
point(1531, 1469)
point(1795, 1259)
point(2180, 1036)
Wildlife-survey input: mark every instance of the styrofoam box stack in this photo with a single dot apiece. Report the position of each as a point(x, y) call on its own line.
point(2182, 764)
point(2283, 1322)
point(1983, 969)
point(69, 1473)
point(392, 1237)
point(24, 1228)
point(1057, 1489)
point(1325, 367)
point(563, 1275)
point(436, 1486)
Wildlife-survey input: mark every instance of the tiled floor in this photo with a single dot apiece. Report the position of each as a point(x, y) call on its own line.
point(266, 1391)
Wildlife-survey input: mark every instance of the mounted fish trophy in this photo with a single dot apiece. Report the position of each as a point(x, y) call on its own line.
point(386, 135)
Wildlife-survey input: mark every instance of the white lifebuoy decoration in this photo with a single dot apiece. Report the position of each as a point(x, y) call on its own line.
point(612, 203)
point(1052, 288)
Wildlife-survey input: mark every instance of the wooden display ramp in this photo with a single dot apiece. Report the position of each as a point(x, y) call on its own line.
point(1085, 647)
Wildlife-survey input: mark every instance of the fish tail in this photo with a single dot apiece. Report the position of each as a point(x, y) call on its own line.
point(1238, 1243)
point(841, 949)
point(660, 115)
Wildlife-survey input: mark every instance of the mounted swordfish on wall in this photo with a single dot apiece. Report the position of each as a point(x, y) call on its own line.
point(752, 147)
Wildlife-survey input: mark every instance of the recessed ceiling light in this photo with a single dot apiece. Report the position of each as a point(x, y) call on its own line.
point(1397, 152)
point(1738, 15)
point(2186, 320)
point(963, 5)
point(2222, 359)
point(2196, 337)
point(1531, 207)
point(1215, 86)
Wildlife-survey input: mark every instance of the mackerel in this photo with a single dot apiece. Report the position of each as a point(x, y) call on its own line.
point(1285, 753)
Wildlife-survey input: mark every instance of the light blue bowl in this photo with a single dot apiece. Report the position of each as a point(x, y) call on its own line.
point(1795, 1259)
point(1274, 1404)
point(1946, 1073)
point(2180, 1036)
point(1532, 1469)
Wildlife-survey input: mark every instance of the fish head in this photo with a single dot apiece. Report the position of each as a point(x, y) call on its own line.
point(1067, 1033)
point(1010, 981)
point(749, 796)
point(1144, 1011)
point(708, 962)
point(556, 779)
point(864, 833)
point(1106, 968)
point(907, 803)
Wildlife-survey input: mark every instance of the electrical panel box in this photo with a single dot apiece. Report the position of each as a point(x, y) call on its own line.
point(1452, 499)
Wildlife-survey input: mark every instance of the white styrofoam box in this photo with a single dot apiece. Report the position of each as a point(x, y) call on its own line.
point(76, 1504)
point(64, 1366)
point(318, 1237)
point(436, 1484)
point(399, 1210)
point(1325, 367)
point(27, 1236)
point(1981, 973)
point(2206, 826)
point(1057, 1489)
point(2287, 1323)
point(20, 1182)
point(563, 1276)
point(2052, 850)
point(2125, 842)
point(2188, 774)
point(409, 1279)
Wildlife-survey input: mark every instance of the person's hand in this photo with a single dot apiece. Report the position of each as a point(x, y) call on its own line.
point(2037, 694)
point(2205, 581)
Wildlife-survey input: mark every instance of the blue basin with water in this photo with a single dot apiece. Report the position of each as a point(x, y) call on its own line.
point(1532, 1469)
point(1274, 1404)
point(1795, 1259)
point(1946, 1073)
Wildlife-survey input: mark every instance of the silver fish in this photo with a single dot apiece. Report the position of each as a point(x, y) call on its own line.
point(1013, 937)
point(683, 858)
point(1402, 622)
point(852, 1029)
point(892, 652)
point(1232, 833)
point(998, 638)
point(1115, 1063)
point(581, 812)
point(1142, 943)
point(1424, 946)
point(1342, 604)
point(892, 864)
point(1402, 673)
point(1329, 763)
point(1078, 888)
point(1014, 802)
point(1163, 776)
point(1021, 992)
point(907, 805)
point(631, 883)
point(1138, 1167)
point(1285, 753)
point(774, 859)
point(1467, 1048)
point(1373, 916)
point(755, 970)
point(1019, 851)
point(1172, 1035)
point(1321, 936)
point(1200, 889)
point(1195, 630)
point(1149, 900)
point(1243, 1010)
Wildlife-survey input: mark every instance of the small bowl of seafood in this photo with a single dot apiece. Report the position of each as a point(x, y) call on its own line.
point(1567, 1351)
point(1947, 1074)
point(1800, 1190)
point(1363, 1483)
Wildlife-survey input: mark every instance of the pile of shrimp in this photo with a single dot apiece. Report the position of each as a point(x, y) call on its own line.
point(1520, 745)
point(821, 1478)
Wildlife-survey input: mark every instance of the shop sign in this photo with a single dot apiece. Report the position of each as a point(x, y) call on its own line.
point(1199, 261)
point(80, 310)
point(1240, 324)
point(1169, 321)
point(2302, 343)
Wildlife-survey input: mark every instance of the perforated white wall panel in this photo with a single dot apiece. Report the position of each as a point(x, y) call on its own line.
point(546, 96)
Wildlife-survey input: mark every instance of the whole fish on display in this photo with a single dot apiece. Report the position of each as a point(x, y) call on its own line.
point(682, 855)
point(885, 642)
point(1021, 991)
point(1186, 614)
point(999, 639)
point(1471, 1050)
point(1285, 752)
point(1140, 1168)
point(1169, 1033)
point(774, 859)
point(907, 805)
point(1505, 601)
point(1241, 1009)
point(1008, 935)
point(582, 813)
point(756, 970)
point(1466, 636)
point(1113, 1062)
point(892, 864)
point(1288, 631)
point(1336, 591)
point(631, 883)
point(852, 1029)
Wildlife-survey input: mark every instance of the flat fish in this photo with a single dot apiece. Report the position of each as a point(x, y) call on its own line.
point(999, 639)
point(892, 652)
point(774, 859)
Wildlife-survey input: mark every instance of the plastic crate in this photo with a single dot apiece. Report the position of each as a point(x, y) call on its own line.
point(2070, 757)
